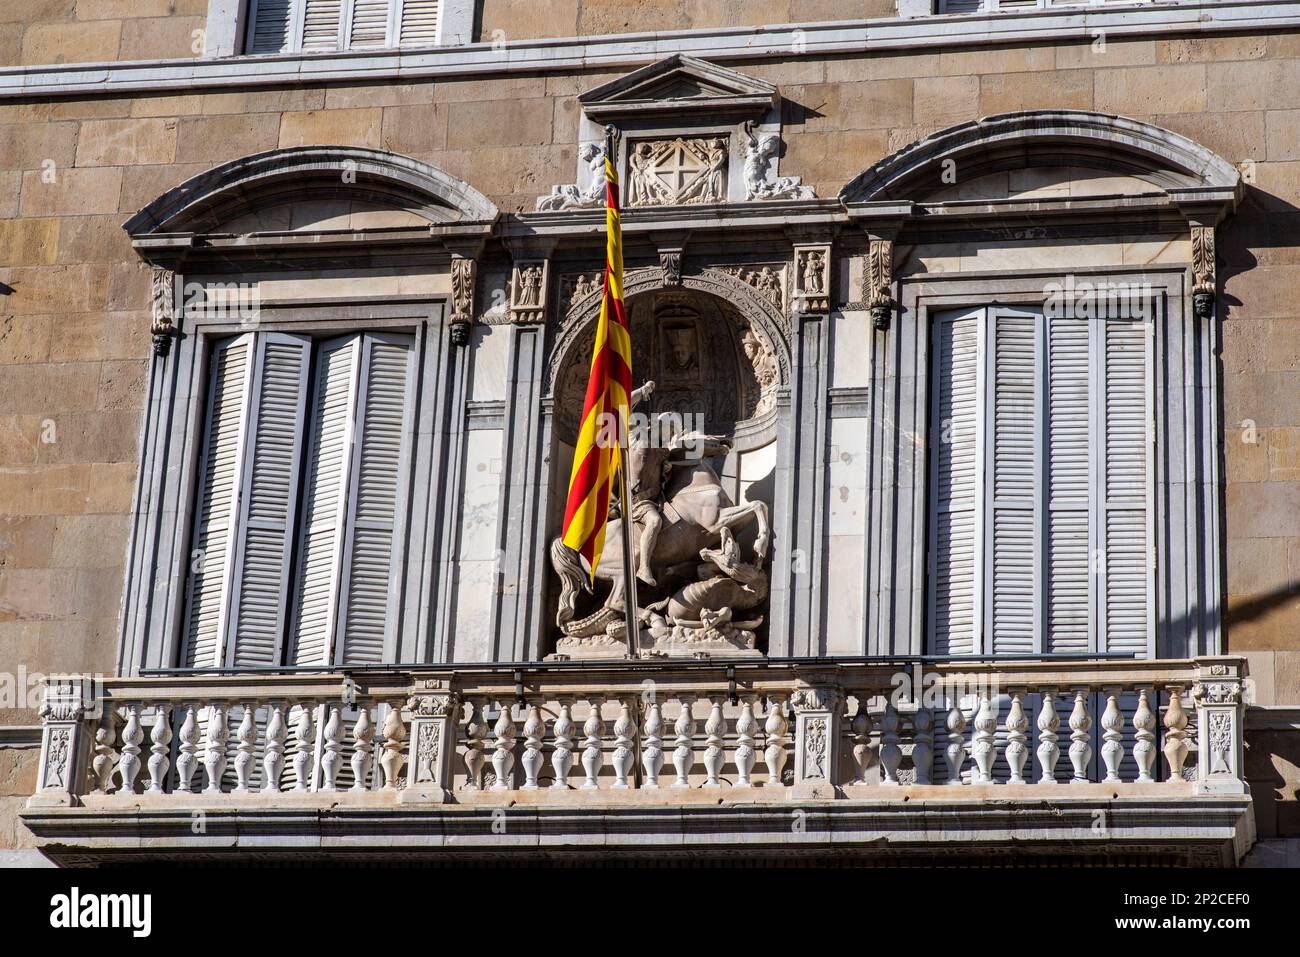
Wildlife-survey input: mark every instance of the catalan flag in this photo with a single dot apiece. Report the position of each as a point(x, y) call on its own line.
point(596, 459)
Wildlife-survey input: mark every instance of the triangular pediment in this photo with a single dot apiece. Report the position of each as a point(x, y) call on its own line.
point(679, 85)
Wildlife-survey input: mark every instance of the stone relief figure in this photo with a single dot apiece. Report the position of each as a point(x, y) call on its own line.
point(647, 469)
point(766, 370)
point(814, 265)
point(571, 196)
point(644, 187)
point(693, 545)
point(530, 281)
point(760, 151)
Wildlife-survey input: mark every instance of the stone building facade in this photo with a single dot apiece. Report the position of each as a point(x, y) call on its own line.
point(988, 306)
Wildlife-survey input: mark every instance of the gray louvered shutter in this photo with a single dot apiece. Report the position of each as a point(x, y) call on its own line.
point(1069, 477)
point(321, 24)
point(369, 23)
point(1012, 555)
point(325, 500)
point(270, 27)
point(419, 22)
point(269, 499)
point(212, 550)
point(376, 500)
point(958, 6)
point(957, 485)
point(1122, 506)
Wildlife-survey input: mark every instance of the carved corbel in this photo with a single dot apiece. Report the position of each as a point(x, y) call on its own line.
point(1204, 281)
point(464, 278)
point(877, 281)
point(163, 323)
point(812, 278)
point(670, 262)
point(530, 283)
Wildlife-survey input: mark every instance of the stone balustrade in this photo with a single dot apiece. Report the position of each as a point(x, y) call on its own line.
point(648, 731)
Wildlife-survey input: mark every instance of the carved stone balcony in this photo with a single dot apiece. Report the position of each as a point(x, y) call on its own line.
point(864, 759)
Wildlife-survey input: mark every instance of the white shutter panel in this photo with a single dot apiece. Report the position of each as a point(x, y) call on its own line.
point(959, 6)
point(376, 500)
point(325, 500)
point(320, 25)
point(1013, 485)
point(419, 26)
point(269, 500)
point(270, 26)
point(369, 26)
point(1069, 445)
point(956, 488)
point(1124, 546)
point(216, 507)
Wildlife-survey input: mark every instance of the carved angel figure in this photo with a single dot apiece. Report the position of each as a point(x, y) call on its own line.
point(759, 183)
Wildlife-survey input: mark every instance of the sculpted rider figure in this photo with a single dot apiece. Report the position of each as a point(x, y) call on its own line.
point(647, 470)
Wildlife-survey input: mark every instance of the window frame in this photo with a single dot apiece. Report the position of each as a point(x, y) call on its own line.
point(174, 434)
point(392, 41)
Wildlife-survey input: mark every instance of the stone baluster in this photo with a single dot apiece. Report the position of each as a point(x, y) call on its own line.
point(746, 728)
point(984, 749)
point(1144, 728)
point(684, 755)
point(304, 747)
point(476, 731)
point(1017, 749)
point(332, 753)
point(774, 728)
point(1080, 742)
point(562, 756)
point(713, 728)
point(955, 754)
point(652, 751)
point(393, 755)
point(1112, 750)
point(104, 762)
point(132, 736)
point(214, 751)
point(624, 756)
point(277, 733)
point(160, 739)
point(923, 744)
point(1176, 747)
point(503, 758)
point(534, 730)
point(862, 756)
point(1048, 752)
point(246, 735)
point(187, 760)
point(592, 757)
point(363, 736)
point(891, 755)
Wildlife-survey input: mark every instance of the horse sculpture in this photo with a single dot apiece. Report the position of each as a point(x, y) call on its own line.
point(696, 511)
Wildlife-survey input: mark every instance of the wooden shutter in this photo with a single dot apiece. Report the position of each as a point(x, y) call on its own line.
point(1122, 512)
point(369, 23)
point(325, 493)
point(419, 22)
point(959, 6)
point(1012, 554)
point(321, 24)
point(957, 484)
point(270, 26)
point(217, 504)
point(344, 605)
point(269, 499)
point(1069, 477)
point(375, 500)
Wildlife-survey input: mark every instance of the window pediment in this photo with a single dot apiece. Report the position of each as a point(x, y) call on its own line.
point(679, 86)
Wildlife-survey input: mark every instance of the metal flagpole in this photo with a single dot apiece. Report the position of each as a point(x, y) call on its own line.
point(624, 482)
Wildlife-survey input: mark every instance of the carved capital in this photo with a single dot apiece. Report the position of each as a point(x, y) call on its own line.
point(530, 282)
point(1216, 693)
point(431, 705)
point(877, 281)
point(163, 322)
point(1204, 281)
point(814, 699)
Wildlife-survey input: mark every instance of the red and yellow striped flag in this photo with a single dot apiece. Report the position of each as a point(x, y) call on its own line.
point(597, 455)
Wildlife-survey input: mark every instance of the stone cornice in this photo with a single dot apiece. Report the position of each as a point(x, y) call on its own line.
point(729, 45)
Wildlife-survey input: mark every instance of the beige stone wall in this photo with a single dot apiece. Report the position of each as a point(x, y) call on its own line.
point(536, 19)
point(35, 32)
point(73, 306)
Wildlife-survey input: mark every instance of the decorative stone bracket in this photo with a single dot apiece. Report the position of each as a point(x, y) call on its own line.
point(1204, 283)
point(877, 281)
point(464, 278)
point(163, 324)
